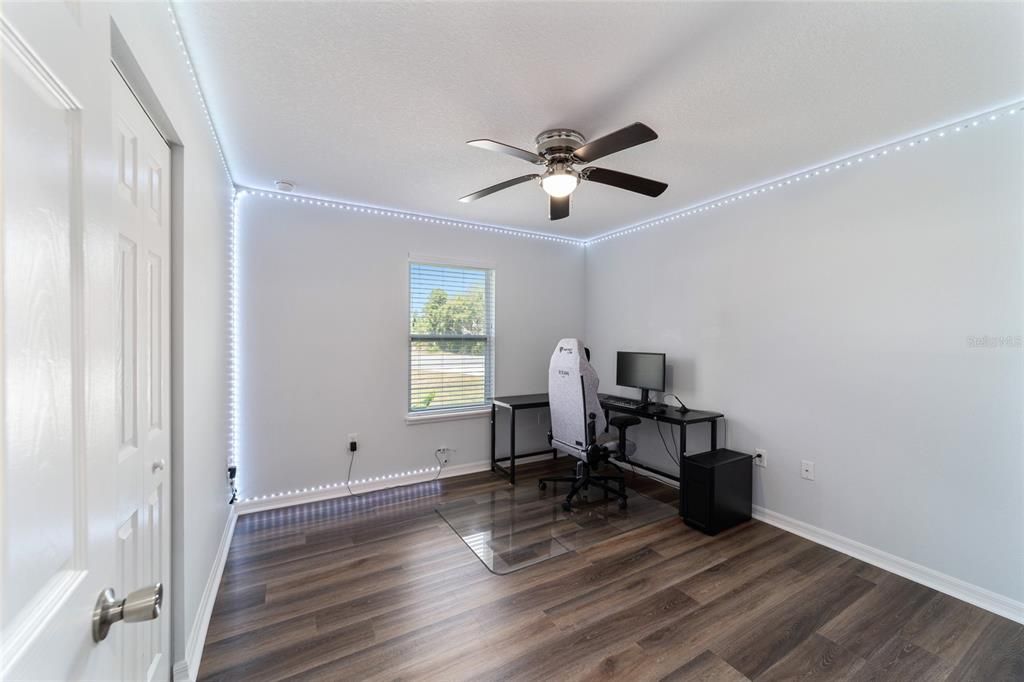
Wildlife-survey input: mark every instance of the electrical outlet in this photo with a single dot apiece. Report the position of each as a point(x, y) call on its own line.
point(807, 470)
point(760, 458)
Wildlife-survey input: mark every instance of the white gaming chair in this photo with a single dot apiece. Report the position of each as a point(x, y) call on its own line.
point(577, 419)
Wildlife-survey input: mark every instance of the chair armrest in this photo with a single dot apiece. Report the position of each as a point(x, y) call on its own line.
point(622, 422)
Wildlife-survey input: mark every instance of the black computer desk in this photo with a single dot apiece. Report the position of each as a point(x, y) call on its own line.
point(531, 401)
point(515, 403)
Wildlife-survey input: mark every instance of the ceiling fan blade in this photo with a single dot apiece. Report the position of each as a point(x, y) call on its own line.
point(627, 137)
point(558, 207)
point(508, 149)
point(497, 188)
point(633, 183)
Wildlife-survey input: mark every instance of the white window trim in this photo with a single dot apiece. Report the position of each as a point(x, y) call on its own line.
point(453, 262)
point(447, 415)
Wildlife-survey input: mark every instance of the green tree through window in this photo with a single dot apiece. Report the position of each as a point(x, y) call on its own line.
point(458, 315)
point(450, 336)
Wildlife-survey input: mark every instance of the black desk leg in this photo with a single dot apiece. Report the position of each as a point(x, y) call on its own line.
point(682, 482)
point(494, 425)
point(512, 448)
point(714, 434)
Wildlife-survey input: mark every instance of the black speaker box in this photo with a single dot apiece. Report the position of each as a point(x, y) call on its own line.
point(714, 493)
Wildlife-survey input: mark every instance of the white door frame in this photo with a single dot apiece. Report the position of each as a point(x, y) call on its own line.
point(134, 75)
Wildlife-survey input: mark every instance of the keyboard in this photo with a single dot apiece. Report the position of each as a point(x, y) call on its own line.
point(618, 400)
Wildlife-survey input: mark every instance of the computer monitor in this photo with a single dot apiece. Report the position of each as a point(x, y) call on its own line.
point(645, 371)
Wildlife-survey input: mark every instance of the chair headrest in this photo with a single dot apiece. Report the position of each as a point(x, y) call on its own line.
point(568, 372)
point(570, 356)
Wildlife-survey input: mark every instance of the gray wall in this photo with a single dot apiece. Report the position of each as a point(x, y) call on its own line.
point(830, 321)
point(325, 323)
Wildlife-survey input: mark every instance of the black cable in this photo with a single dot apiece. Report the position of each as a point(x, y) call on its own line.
point(725, 424)
point(663, 442)
point(440, 465)
point(676, 397)
point(625, 457)
point(348, 476)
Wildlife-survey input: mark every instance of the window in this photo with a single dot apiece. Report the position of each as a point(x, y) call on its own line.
point(451, 337)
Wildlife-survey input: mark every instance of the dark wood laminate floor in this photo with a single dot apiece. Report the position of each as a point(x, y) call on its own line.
point(379, 587)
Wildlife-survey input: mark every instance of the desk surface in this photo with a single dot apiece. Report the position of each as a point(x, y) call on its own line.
point(671, 414)
point(523, 402)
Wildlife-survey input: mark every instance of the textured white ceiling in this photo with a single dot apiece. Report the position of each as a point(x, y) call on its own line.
point(373, 102)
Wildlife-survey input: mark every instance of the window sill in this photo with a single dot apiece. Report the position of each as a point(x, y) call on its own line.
point(429, 418)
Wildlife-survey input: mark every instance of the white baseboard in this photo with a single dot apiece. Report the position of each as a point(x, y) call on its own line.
point(188, 669)
point(947, 584)
point(954, 587)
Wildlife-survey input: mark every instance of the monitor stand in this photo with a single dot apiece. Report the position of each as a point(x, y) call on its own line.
point(645, 398)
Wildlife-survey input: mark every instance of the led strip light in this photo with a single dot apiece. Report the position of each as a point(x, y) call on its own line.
point(234, 359)
point(232, 247)
point(343, 484)
point(408, 215)
point(199, 91)
point(831, 167)
point(701, 207)
point(853, 160)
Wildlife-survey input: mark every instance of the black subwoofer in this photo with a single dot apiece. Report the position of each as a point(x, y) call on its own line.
point(714, 494)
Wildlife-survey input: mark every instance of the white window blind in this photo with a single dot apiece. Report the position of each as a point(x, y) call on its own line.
point(451, 337)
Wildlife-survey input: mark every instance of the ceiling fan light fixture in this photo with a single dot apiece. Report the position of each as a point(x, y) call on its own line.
point(560, 149)
point(560, 183)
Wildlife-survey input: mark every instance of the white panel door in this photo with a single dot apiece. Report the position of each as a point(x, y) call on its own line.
point(142, 217)
point(57, 533)
point(84, 354)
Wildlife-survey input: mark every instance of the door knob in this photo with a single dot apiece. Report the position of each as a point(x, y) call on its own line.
point(158, 465)
point(138, 606)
